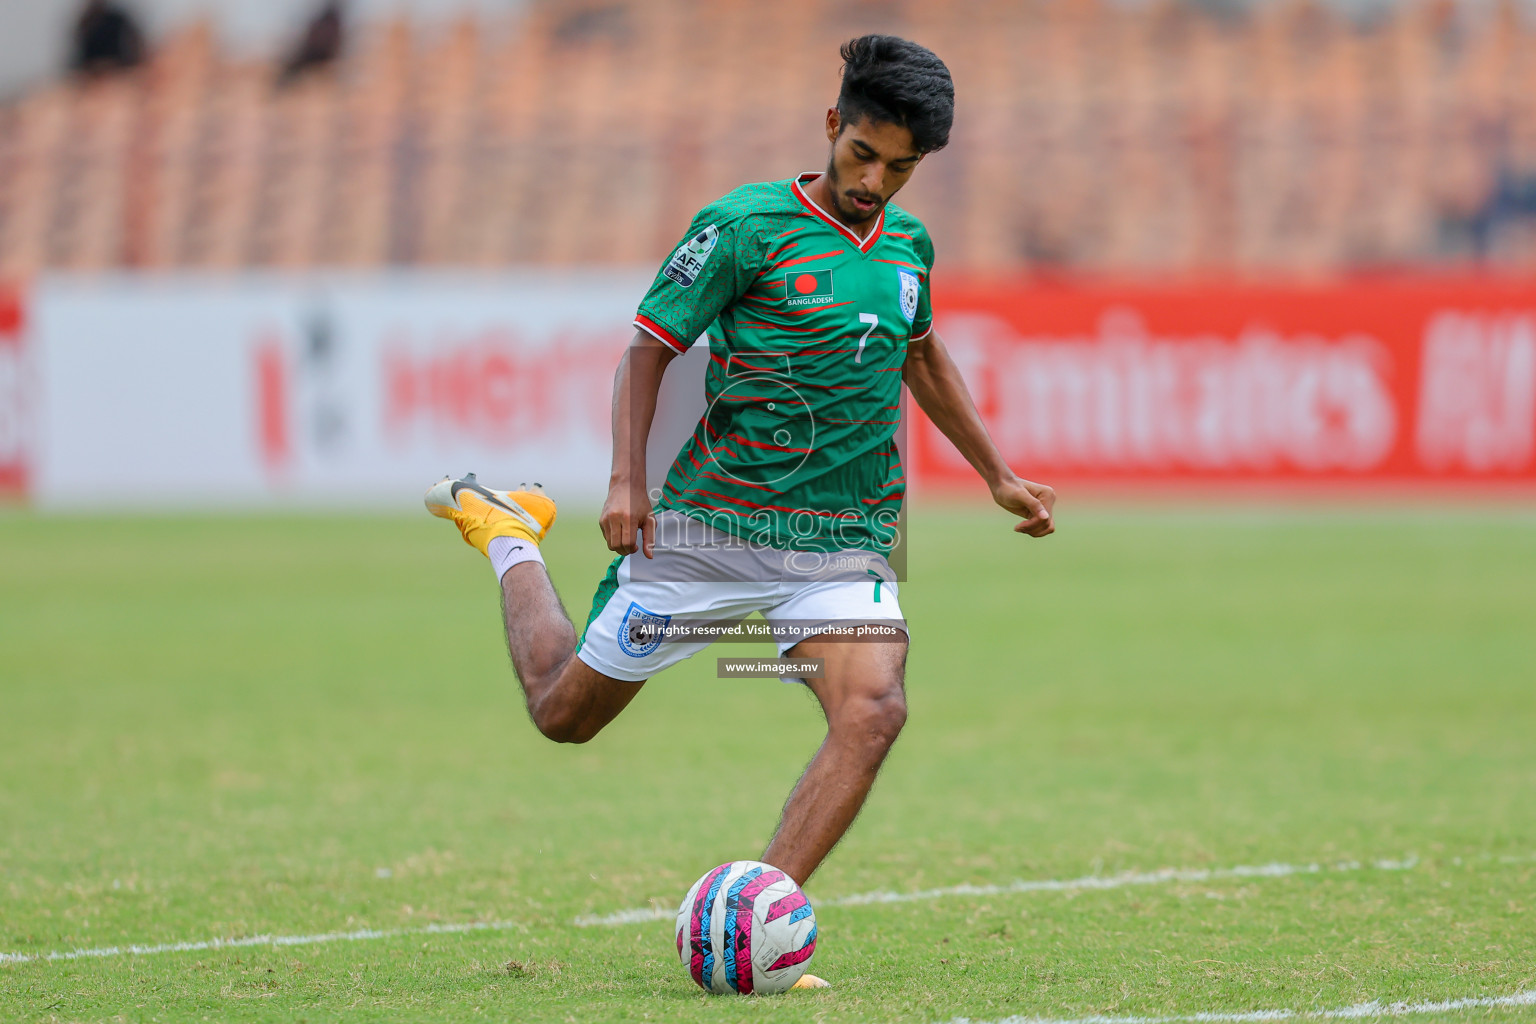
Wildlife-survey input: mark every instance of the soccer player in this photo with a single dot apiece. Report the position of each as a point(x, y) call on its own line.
point(814, 295)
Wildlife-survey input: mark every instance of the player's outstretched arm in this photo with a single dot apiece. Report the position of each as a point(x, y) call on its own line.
point(628, 508)
point(935, 382)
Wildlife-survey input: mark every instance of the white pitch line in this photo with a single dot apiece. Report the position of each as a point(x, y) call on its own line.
point(1374, 1008)
point(262, 940)
point(658, 914)
point(654, 913)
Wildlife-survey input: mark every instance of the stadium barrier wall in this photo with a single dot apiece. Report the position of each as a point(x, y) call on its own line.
point(181, 390)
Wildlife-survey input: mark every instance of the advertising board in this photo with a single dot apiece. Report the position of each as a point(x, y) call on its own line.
point(195, 390)
point(1392, 381)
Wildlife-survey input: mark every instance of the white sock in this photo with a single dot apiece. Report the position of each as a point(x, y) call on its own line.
point(506, 552)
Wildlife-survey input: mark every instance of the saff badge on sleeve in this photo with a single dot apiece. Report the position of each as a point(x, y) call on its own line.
point(689, 260)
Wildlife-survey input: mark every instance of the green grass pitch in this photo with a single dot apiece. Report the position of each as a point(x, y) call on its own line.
point(226, 727)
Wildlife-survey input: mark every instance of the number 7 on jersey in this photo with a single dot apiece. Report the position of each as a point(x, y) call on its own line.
point(873, 321)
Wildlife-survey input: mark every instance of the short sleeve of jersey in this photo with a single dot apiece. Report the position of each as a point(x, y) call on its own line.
point(922, 323)
point(705, 274)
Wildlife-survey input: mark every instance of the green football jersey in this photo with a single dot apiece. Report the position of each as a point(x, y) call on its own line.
point(808, 328)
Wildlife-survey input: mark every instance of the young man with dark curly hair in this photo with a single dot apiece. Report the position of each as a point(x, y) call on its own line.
point(813, 294)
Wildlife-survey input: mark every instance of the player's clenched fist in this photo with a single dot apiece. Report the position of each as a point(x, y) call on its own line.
point(626, 513)
point(1032, 502)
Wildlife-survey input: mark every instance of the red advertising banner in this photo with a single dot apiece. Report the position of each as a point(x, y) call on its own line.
point(14, 419)
point(1406, 381)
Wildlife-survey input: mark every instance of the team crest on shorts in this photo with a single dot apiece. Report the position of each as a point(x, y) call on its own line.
point(910, 287)
point(689, 260)
point(641, 631)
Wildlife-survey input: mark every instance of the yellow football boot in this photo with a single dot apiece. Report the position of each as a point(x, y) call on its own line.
point(481, 513)
point(810, 981)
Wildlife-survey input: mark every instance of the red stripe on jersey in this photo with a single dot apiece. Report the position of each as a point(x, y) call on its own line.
point(712, 508)
point(782, 249)
point(862, 244)
point(761, 398)
point(753, 504)
point(734, 480)
point(784, 327)
point(727, 497)
point(767, 447)
point(920, 337)
point(921, 271)
point(816, 309)
point(659, 332)
point(802, 259)
point(900, 234)
point(742, 357)
point(720, 448)
point(830, 387)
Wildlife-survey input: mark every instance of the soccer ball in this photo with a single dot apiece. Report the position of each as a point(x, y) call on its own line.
point(746, 927)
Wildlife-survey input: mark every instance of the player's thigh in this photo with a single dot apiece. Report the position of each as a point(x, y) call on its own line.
point(856, 627)
point(855, 671)
point(862, 689)
point(862, 644)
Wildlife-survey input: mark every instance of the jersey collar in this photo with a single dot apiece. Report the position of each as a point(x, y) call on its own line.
point(864, 244)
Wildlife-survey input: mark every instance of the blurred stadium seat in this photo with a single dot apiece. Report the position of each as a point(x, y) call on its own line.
point(1156, 139)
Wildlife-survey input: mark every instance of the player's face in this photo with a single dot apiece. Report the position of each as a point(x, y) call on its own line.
point(870, 162)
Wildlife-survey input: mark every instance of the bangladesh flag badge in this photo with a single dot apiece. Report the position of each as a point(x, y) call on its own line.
point(808, 288)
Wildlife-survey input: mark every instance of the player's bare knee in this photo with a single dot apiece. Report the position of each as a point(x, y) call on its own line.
point(891, 698)
point(562, 723)
point(557, 705)
point(874, 718)
point(565, 729)
point(891, 716)
point(581, 732)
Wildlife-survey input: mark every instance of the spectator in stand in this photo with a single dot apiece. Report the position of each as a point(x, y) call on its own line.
point(106, 39)
point(1509, 208)
point(320, 46)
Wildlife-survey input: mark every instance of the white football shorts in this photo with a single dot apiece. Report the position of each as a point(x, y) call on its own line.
point(700, 575)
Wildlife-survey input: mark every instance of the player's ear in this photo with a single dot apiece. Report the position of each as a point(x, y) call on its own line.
point(834, 124)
